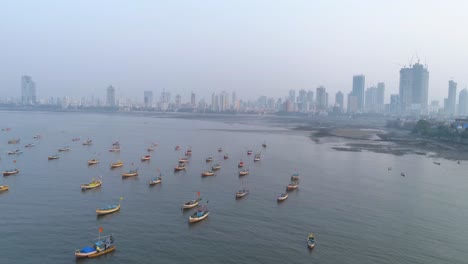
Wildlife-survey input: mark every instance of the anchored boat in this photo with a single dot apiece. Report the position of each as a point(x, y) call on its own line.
point(179, 167)
point(93, 161)
point(216, 167)
point(131, 173)
point(93, 184)
point(108, 209)
point(53, 157)
point(116, 165)
point(241, 164)
point(10, 172)
point(14, 152)
point(88, 142)
point(146, 158)
point(292, 186)
point(102, 245)
point(208, 173)
point(4, 188)
point(155, 180)
point(311, 241)
point(191, 204)
point(243, 172)
point(199, 215)
point(282, 197)
point(242, 193)
point(257, 157)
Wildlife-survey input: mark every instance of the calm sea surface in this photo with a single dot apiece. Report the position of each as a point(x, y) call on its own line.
point(359, 211)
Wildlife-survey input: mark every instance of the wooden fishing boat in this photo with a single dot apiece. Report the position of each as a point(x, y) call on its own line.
point(37, 136)
point(88, 142)
point(311, 241)
point(257, 157)
point(282, 197)
point(93, 184)
point(146, 158)
point(199, 215)
point(220, 150)
point(76, 139)
point(131, 173)
point(53, 157)
point(93, 161)
point(249, 152)
point(4, 188)
point(216, 167)
point(114, 149)
point(179, 167)
point(183, 160)
point(155, 180)
point(64, 149)
point(241, 164)
point(149, 149)
point(116, 165)
point(208, 173)
point(226, 156)
point(209, 159)
point(15, 152)
point(103, 245)
point(191, 204)
point(30, 145)
point(292, 186)
point(243, 172)
point(116, 144)
point(242, 193)
point(177, 148)
point(295, 177)
point(188, 152)
point(14, 141)
point(10, 172)
point(108, 209)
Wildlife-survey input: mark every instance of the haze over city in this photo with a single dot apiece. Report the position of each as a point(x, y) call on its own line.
point(251, 47)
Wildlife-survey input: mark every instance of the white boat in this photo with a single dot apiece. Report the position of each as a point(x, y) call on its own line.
point(242, 193)
point(191, 204)
point(199, 215)
point(155, 180)
point(282, 197)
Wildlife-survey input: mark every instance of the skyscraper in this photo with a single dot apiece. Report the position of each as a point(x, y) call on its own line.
point(178, 101)
point(414, 85)
point(452, 98)
point(371, 100)
point(28, 90)
point(322, 98)
point(352, 103)
point(148, 98)
point(395, 104)
point(193, 100)
point(463, 103)
point(359, 82)
point(292, 96)
point(380, 97)
point(339, 101)
point(110, 96)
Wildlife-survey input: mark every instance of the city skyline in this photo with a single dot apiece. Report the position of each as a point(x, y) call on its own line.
point(300, 45)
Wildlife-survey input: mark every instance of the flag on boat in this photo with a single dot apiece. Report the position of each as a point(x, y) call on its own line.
point(101, 229)
point(198, 193)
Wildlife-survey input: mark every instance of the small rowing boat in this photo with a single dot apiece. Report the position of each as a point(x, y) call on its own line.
point(10, 172)
point(292, 186)
point(191, 204)
point(88, 142)
point(436, 163)
point(146, 158)
point(53, 157)
point(249, 152)
point(183, 160)
point(243, 172)
point(149, 149)
point(241, 164)
point(15, 152)
point(216, 167)
point(311, 241)
point(199, 215)
point(30, 145)
point(209, 159)
point(264, 145)
point(93, 184)
point(177, 148)
point(188, 152)
point(93, 161)
point(295, 177)
point(108, 209)
point(116, 165)
point(4, 188)
point(103, 245)
point(207, 173)
point(37, 136)
point(257, 157)
point(131, 173)
point(179, 167)
point(76, 139)
point(114, 149)
point(220, 150)
point(282, 197)
point(241, 193)
point(64, 149)
point(155, 180)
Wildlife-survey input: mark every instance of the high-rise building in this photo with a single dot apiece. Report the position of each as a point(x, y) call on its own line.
point(395, 104)
point(380, 97)
point(148, 98)
point(193, 100)
point(463, 103)
point(359, 82)
point(352, 103)
point(28, 90)
point(371, 100)
point(339, 101)
point(322, 98)
point(292, 96)
point(452, 98)
point(233, 99)
point(110, 96)
point(414, 85)
point(302, 101)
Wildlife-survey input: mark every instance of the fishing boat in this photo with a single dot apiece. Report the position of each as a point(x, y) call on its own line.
point(155, 180)
point(257, 157)
point(282, 197)
point(64, 149)
point(10, 172)
point(76, 139)
point(103, 245)
point(53, 157)
point(108, 209)
point(114, 149)
point(146, 158)
point(436, 163)
point(116, 165)
point(4, 188)
point(226, 156)
point(295, 177)
point(292, 186)
point(403, 174)
point(216, 167)
point(179, 167)
point(249, 152)
point(15, 152)
point(243, 172)
point(191, 204)
point(183, 160)
point(199, 215)
point(177, 147)
point(208, 173)
point(37, 137)
point(29, 145)
point(14, 141)
point(93, 161)
point(93, 184)
point(149, 149)
point(130, 173)
point(88, 142)
point(241, 164)
point(209, 159)
point(116, 144)
point(311, 241)
point(220, 150)
point(188, 152)
point(241, 193)
point(264, 145)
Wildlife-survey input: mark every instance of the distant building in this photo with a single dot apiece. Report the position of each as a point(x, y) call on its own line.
point(302, 104)
point(452, 99)
point(371, 100)
point(322, 98)
point(339, 101)
point(110, 96)
point(292, 96)
point(148, 98)
point(380, 103)
point(434, 107)
point(28, 91)
point(359, 82)
point(463, 103)
point(352, 103)
point(395, 104)
point(193, 100)
point(414, 85)
point(178, 101)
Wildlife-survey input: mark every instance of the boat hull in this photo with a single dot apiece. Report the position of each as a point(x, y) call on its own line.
point(4, 188)
point(97, 254)
point(88, 187)
point(130, 174)
point(110, 211)
point(154, 182)
point(188, 206)
point(193, 219)
point(8, 173)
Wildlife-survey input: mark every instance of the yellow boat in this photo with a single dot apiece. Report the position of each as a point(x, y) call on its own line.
point(4, 188)
point(116, 165)
point(93, 184)
point(131, 173)
point(93, 161)
point(108, 209)
point(103, 245)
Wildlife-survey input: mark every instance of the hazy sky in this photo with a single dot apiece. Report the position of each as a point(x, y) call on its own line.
point(78, 48)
